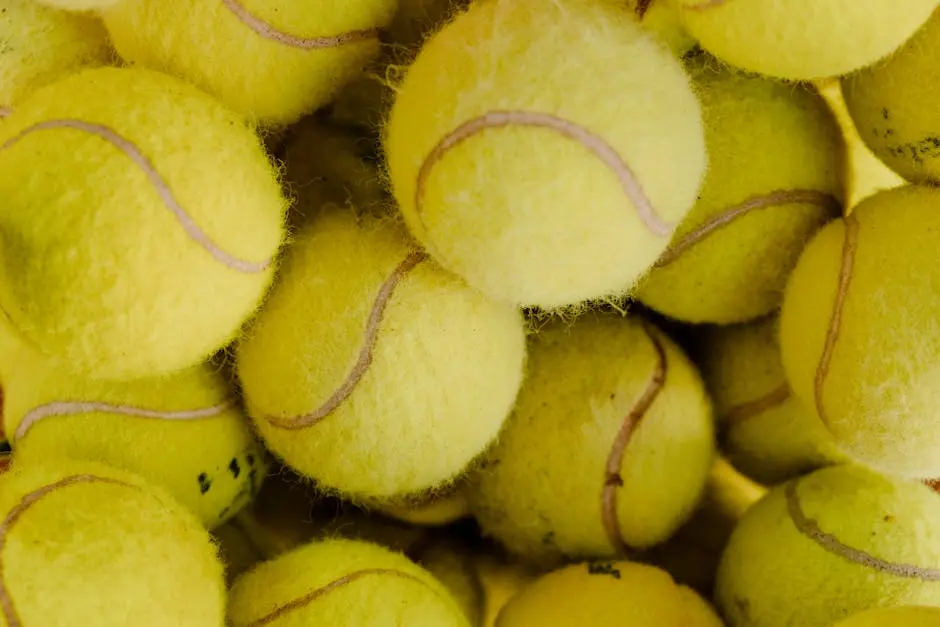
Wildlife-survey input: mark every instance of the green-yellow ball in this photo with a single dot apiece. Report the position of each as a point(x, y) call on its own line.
point(130, 244)
point(836, 542)
point(730, 257)
point(342, 583)
point(858, 336)
point(84, 544)
point(902, 616)
point(539, 182)
point(608, 447)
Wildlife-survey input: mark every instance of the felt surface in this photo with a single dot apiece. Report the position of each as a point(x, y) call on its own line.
point(912, 616)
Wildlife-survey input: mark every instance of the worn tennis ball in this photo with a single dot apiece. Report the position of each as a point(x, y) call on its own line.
point(342, 583)
point(802, 39)
point(433, 511)
point(287, 58)
point(39, 45)
point(886, 102)
point(731, 255)
point(85, 544)
point(766, 432)
point(607, 594)
point(498, 108)
point(132, 246)
point(908, 616)
point(857, 336)
point(367, 349)
point(855, 539)
point(613, 404)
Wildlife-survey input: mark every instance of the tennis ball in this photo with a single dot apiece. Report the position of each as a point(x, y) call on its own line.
point(183, 432)
point(838, 541)
point(383, 352)
point(501, 579)
point(607, 594)
point(148, 257)
point(84, 544)
point(498, 107)
point(766, 432)
point(857, 337)
point(612, 403)
point(439, 509)
point(342, 583)
point(802, 39)
point(661, 18)
point(730, 257)
point(289, 58)
point(887, 100)
point(909, 616)
point(39, 45)
point(451, 562)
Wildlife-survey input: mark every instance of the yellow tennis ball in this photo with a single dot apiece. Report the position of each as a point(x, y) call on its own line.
point(767, 433)
point(497, 114)
point(372, 370)
point(39, 45)
point(625, 441)
point(607, 594)
point(131, 245)
point(730, 257)
point(857, 335)
point(906, 616)
point(840, 540)
point(886, 102)
point(802, 39)
point(451, 562)
point(437, 510)
point(84, 544)
point(342, 583)
point(661, 18)
point(501, 579)
point(285, 58)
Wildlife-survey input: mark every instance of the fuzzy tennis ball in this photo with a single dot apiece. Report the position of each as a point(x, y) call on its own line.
point(887, 100)
point(183, 432)
point(450, 560)
point(438, 510)
point(155, 248)
point(39, 45)
point(501, 579)
point(625, 442)
point(287, 58)
point(846, 331)
point(607, 594)
point(342, 583)
point(802, 39)
point(661, 18)
point(838, 541)
point(84, 544)
point(908, 616)
point(730, 257)
point(496, 114)
point(367, 349)
point(767, 433)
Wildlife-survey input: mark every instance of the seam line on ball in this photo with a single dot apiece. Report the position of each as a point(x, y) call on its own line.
point(613, 480)
point(14, 515)
point(594, 143)
point(722, 219)
point(345, 580)
point(810, 528)
point(849, 250)
point(63, 408)
point(132, 152)
point(268, 31)
point(701, 6)
point(752, 409)
point(364, 359)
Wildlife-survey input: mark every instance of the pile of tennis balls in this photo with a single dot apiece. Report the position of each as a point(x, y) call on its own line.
point(469, 313)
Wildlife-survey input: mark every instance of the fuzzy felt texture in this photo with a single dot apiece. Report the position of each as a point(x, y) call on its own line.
point(766, 432)
point(270, 60)
point(886, 102)
point(372, 370)
point(625, 442)
point(859, 337)
point(442, 509)
point(183, 431)
point(773, 180)
point(84, 544)
point(802, 39)
point(39, 45)
point(607, 594)
point(342, 583)
point(451, 562)
point(820, 548)
point(661, 18)
point(913, 616)
point(131, 245)
point(78, 5)
point(539, 182)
